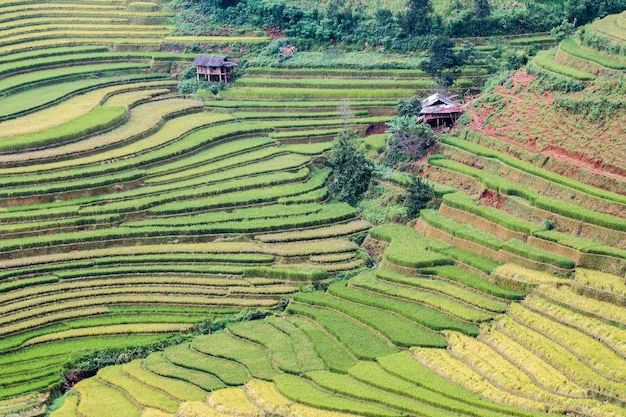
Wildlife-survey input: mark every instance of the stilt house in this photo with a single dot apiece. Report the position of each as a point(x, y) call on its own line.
point(439, 111)
point(214, 68)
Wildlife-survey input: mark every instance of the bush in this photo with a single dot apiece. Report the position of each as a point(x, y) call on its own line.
point(419, 194)
point(213, 88)
point(188, 86)
point(410, 107)
point(408, 140)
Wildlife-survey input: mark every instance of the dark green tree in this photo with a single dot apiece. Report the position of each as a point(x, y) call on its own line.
point(410, 107)
point(352, 169)
point(564, 30)
point(441, 60)
point(419, 194)
point(481, 9)
point(418, 19)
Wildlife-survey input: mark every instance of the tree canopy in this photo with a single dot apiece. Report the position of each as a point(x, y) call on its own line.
point(352, 169)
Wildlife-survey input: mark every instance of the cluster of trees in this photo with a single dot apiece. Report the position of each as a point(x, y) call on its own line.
point(355, 173)
point(415, 27)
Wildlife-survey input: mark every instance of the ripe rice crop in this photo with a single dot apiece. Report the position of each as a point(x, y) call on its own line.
point(216, 39)
point(10, 83)
point(495, 366)
point(92, 391)
point(324, 232)
point(141, 119)
point(609, 25)
point(456, 371)
point(531, 276)
point(611, 335)
point(267, 396)
point(601, 281)
point(598, 356)
point(142, 394)
point(571, 298)
point(180, 390)
point(331, 83)
point(545, 374)
point(233, 401)
point(143, 328)
point(286, 93)
point(65, 111)
point(405, 366)
point(560, 357)
point(97, 119)
point(18, 103)
point(169, 132)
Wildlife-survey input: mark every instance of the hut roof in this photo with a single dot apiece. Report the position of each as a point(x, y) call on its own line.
point(442, 109)
point(212, 61)
point(436, 99)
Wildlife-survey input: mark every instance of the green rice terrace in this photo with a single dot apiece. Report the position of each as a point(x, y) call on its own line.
point(182, 255)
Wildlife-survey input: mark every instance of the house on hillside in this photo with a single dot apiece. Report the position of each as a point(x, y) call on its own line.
point(439, 111)
point(214, 68)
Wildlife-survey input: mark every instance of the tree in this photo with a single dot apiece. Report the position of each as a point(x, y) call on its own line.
point(352, 169)
point(408, 140)
point(417, 20)
point(564, 30)
point(410, 107)
point(481, 9)
point(441, 60)
point(419, 194)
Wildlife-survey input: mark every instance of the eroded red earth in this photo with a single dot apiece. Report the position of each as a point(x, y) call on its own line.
point(529, 121)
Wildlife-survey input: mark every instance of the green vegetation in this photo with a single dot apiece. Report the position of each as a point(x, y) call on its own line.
point(545, 60)
point(201, 249)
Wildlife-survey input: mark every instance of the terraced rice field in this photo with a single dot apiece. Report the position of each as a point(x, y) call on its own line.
point(129, 215)
point(343, 351)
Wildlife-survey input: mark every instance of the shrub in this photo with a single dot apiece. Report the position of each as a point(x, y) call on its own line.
point(408, 140)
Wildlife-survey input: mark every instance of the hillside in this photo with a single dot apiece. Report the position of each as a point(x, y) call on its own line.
point(169, 254)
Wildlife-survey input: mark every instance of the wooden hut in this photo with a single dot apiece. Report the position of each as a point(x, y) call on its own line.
point(439, 111)
point(214, 68)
